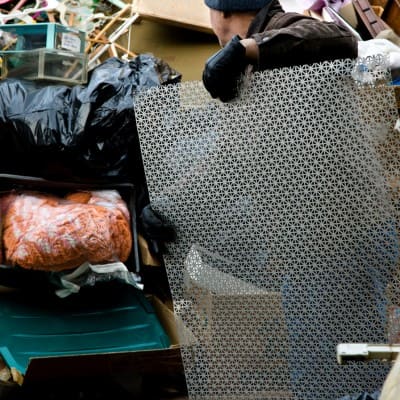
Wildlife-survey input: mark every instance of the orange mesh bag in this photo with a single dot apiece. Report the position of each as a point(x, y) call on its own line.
point(5, 202)
point(48, 233)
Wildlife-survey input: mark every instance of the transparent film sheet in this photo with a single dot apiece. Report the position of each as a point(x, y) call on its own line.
point(285, 204)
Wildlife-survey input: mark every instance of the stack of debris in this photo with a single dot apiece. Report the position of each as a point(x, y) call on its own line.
point(375, 23)
point(61, 40)
point(366, 18)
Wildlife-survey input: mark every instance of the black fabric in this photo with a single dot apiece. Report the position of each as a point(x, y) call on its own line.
point(287, 39)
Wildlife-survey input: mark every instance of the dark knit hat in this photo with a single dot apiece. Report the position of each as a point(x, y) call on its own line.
point(236, 5)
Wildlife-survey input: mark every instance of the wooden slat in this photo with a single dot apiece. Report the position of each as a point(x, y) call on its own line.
point(193, 14)
point(371, 21)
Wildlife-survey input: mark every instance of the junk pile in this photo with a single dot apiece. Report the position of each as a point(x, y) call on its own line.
point(366, 18)
point(61, 40)
point(375, 23)
point(82, 141)
point(71, 186)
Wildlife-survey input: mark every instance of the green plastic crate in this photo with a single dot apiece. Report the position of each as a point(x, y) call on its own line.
point(47, 35)
point(45, 64)
point(109, 319)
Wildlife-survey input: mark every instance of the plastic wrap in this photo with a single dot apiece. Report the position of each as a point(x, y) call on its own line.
point(90, 275)
point(45, 232)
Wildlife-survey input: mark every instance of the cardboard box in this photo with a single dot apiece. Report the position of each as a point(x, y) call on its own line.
point(397, 95)
point(349, 14)
point(391, 15)
point(192, 14)
point(255, 327)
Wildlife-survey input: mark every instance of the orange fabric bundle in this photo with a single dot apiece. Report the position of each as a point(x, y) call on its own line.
point(5, 202)
point(48, 233)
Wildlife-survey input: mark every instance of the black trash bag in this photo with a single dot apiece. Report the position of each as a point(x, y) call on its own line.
point(363, 396)
point(111, 134)
point(83, 132)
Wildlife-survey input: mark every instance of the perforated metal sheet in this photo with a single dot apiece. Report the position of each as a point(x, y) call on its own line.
point(287, 228)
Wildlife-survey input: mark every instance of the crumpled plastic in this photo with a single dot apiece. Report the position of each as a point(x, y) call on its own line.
point(87, 131)
point(44, 232)
point(6, 39)
point(371, 71)
point(380, 46)
point(89, 275)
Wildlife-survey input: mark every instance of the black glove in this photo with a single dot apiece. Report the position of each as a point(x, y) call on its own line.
point(224, 69)
point(155, 230)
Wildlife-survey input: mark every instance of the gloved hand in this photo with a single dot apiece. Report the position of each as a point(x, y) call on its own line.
point(155, 230)
point(224, 69)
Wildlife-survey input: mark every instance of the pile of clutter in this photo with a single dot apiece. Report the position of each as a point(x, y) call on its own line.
point(365, 18)
point(375, 23)
point(75, 35)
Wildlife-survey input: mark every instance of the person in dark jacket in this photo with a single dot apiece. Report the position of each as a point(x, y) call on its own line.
point(261, 34)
